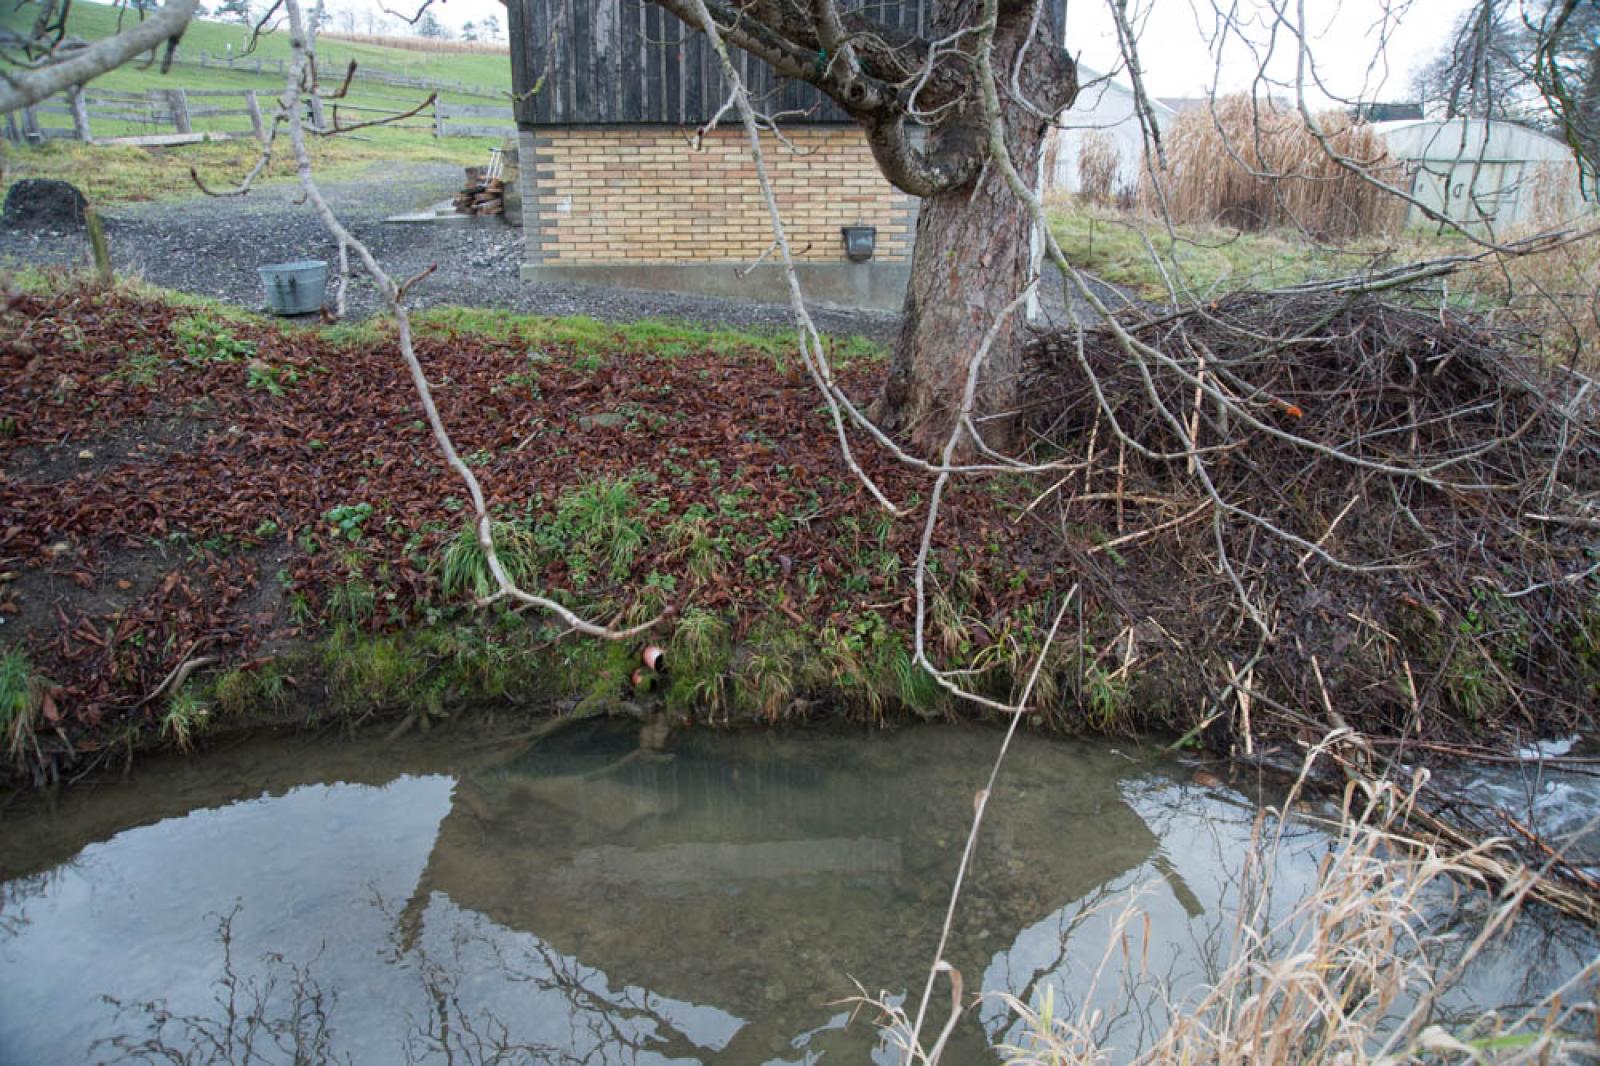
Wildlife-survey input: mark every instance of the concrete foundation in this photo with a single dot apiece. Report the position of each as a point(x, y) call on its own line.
point(869, 286)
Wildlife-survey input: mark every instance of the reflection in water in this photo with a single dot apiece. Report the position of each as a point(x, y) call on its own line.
point(590, 903)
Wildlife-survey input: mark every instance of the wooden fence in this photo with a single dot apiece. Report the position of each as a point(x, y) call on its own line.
point(335, 75)
point(471, 120)
point(145, 119)
point(148, 113)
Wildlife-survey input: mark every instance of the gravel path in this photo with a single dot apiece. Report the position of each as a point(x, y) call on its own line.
point(212, 246)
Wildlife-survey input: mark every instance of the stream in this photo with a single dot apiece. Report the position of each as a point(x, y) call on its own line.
point(454, 897)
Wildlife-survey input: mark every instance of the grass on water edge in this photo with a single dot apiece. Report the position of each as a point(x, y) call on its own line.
point(754, 666)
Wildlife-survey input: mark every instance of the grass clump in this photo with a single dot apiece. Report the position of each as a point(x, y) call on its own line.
point(464, 569)
point(253, 687)
point(372, 672)
point(595, 527)
point(22, 693)
point(186, 716)
point(203, 339)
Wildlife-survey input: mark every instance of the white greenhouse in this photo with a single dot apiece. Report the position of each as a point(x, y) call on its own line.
point(1479, 171)
point(1103, 109)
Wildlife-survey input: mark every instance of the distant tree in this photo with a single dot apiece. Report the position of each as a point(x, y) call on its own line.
point(1478, 71)
point(1537, 61)
point(234, 11)
point(490, 28)
point(429, 26)
point(469, 31)
point(1565, 66)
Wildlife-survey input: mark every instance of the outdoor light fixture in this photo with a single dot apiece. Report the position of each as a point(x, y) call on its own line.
point(858, 242)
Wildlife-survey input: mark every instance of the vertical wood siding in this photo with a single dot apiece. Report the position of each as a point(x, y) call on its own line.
point(601, 62)
point(628, 61)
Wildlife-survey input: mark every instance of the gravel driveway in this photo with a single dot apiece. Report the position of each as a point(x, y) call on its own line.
point(212, 246)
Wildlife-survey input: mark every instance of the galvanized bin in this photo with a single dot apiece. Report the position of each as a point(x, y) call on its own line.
point(295, 288)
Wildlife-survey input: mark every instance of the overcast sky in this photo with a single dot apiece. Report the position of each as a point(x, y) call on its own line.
point(1362, 48)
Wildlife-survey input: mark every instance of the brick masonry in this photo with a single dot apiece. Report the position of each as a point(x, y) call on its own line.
point(642, 195)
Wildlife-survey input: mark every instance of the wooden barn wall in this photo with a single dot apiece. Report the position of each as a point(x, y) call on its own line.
point(586, 62)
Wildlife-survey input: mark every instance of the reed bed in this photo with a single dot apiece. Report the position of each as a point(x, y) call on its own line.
point(1098, 163)
point(1251, 165)
point(1554, 294)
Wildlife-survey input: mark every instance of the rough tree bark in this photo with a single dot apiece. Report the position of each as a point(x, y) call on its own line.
point(924, 122)
point(973, 250)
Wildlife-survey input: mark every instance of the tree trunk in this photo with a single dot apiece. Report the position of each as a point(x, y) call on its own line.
point(970, 261)
point(973, 251)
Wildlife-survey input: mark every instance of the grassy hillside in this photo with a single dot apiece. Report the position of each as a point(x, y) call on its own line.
point(93, 21)
point(110, 175)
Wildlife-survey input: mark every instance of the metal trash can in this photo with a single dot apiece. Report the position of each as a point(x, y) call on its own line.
point(295, 288)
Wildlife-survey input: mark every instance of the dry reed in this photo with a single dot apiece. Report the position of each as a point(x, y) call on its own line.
point(1098, 164)
point(1352, 972)
point(1553, 294)
point(1250, 165)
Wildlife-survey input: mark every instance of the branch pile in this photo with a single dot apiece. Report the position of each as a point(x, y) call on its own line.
point(1403, 532)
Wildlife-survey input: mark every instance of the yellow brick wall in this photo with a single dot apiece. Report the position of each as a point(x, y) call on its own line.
point(639, 194)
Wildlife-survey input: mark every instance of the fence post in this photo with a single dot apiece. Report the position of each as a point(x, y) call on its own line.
point(179, 102)
point(317, 120)
point(12, 133)
point(80, 113)
point(438, 117)
point(254, 107)
point(30, 126)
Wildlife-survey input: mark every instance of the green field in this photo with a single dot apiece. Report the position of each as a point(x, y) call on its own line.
point(93, 21)
point(118, 174)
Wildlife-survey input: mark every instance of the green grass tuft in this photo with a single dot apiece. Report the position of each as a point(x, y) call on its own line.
point(185, 718)
point(464, 569)
point(21, 695)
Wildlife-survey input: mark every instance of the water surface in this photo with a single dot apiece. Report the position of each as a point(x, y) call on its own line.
point(584, 900)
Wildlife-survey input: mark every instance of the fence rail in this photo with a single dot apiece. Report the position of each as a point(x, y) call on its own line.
point(150, 113)
point(168, 116)
point(261, 65)
point(471, 120)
